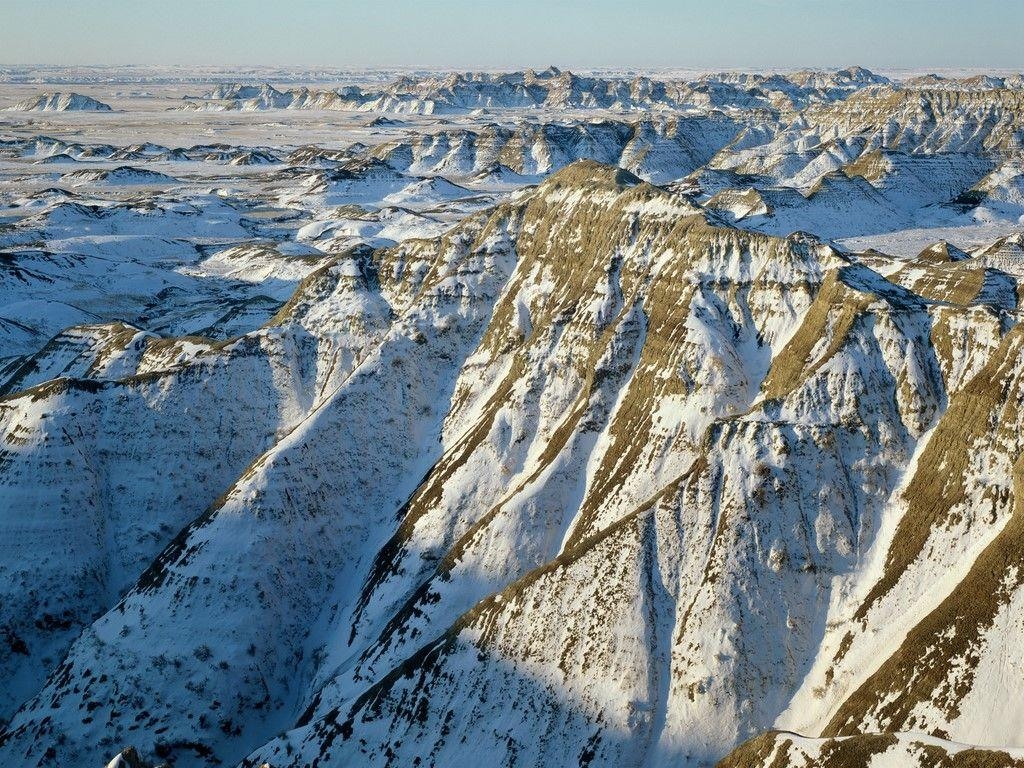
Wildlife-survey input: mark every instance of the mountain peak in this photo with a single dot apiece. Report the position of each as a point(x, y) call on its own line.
point(586, 174)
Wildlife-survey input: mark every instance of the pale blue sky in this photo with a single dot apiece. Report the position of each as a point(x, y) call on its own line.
point(517, 33)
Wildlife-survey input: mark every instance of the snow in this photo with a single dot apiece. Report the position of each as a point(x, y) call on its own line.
point(60, 102)
point(363, 439)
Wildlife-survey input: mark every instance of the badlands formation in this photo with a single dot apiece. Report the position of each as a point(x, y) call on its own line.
point(597, 420)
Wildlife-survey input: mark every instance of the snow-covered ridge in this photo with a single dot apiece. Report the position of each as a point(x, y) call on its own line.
point(60, 102)
point(582, 452)
point(551, 89)
point(546, 434)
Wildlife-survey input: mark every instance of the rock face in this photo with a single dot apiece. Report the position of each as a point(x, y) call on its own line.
point(590, 475)
point(780, 748)
point(60, 102)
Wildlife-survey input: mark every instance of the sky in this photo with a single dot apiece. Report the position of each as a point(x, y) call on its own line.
point(513, 34)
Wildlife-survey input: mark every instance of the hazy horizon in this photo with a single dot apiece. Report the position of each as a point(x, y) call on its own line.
point(473, 34)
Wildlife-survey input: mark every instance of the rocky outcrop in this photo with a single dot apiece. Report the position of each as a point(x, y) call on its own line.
point(60, 102)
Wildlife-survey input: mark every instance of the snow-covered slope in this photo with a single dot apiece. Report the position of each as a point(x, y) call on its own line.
point(60, 102)
point(532, 438)
point(902, 749)
point(658, 150)
point(471, 442)
point(124, 174)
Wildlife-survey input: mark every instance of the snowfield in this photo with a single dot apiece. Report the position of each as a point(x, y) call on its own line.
point(517, 419)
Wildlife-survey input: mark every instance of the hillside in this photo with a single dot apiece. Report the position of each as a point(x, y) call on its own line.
point(611, 437)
